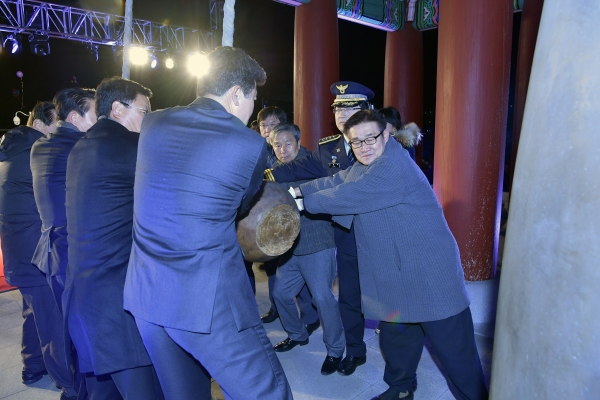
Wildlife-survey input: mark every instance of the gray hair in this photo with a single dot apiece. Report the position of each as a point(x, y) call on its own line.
point(285, 127)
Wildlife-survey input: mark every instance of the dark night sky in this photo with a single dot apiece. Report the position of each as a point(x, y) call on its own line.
point(263, 28)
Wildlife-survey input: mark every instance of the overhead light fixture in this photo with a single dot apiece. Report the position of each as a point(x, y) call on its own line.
point(198, 64)
point(169, 63)
point(93, 50)
point(153, 61)
point(138, 55)
point(39, 45)
point(17, 120)
point(14, 43)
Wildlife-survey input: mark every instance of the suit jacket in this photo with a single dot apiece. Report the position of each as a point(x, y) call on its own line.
point(99, 204)
point(19, 218)
point(316, 231)
point(197, 167)
point(329, 158)
point(408, 260)
point(49, 168)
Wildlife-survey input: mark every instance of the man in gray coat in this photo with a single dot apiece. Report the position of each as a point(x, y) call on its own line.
point(410, 272)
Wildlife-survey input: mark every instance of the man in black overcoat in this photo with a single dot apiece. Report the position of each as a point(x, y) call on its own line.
point(19, 233)
point(76, 113)
point(99, 206)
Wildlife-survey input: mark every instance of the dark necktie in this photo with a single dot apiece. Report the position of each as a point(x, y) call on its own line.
point(351, 157)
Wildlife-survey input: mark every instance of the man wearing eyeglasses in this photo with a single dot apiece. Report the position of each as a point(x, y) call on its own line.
point(99, 203)
point(410, 271)
point(333, 155)
point(268, 118)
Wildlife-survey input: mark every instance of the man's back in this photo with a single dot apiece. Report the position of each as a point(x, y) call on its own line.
point(19, 219)
point(191, 180)
point(49, 168)
point(99, 203)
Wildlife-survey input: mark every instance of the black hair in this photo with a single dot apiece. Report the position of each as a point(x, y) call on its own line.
point(285, 127)
point(254, 126)
point(230, 66)
point(117, 89)
point(43, 111)
point(392, 117)
point(362, 117)
point(73, 99)
point(271, 111)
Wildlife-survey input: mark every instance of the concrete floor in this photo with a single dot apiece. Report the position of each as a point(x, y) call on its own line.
point(302, 364)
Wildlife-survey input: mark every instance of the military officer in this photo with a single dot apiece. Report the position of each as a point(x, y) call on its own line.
point(332, 155)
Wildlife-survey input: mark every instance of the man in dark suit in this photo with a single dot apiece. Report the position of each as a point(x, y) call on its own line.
point(310, 262)
point(19, 233)
point(332, 156)
point(410, 271)
point(99, 206)
point(268, 118)
point(76, 114)
point(186, 284)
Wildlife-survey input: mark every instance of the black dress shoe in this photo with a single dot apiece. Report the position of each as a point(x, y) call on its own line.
point(289, 344)
point(310, 328)
point(330, 365)
point(269, 317)
point(64, 396)
point(29, 377)
point(349, 364)
point(394, 394)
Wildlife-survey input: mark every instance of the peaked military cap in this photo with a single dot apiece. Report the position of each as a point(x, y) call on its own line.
point(349, 94)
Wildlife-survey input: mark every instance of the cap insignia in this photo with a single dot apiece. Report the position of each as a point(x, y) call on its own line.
point(342, 88)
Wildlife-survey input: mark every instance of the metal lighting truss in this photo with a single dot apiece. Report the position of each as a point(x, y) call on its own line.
point(216, 14)
point(40, 18)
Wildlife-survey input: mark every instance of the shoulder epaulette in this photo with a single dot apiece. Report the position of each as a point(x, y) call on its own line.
point(329, 139)
point(269, 175)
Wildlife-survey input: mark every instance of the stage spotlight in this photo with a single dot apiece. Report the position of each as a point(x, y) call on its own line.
point(138, 55)
point(14, 43)
point(39, 45)
point(153, 61)
point(93, 50)
point(198, 64)
point(169, 63)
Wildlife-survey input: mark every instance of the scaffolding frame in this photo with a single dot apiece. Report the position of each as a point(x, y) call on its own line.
point(93, 27)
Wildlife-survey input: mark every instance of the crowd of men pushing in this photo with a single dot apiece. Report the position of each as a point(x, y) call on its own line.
point(149, 280)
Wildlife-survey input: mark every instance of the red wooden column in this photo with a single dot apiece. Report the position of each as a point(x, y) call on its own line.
point(316, 67)
point(403, 77)
point(472, 100)
point(530, 23)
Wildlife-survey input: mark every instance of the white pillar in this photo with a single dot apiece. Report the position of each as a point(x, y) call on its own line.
point(547, 339)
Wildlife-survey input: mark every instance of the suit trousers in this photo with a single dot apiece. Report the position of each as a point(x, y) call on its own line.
point(308, 313)
point(57, 285)
point(243, 362)
point(31, 351)
point(50, 330)
point(139, 383)
point(350, 304)
point(453, 342)
point(317, 271)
